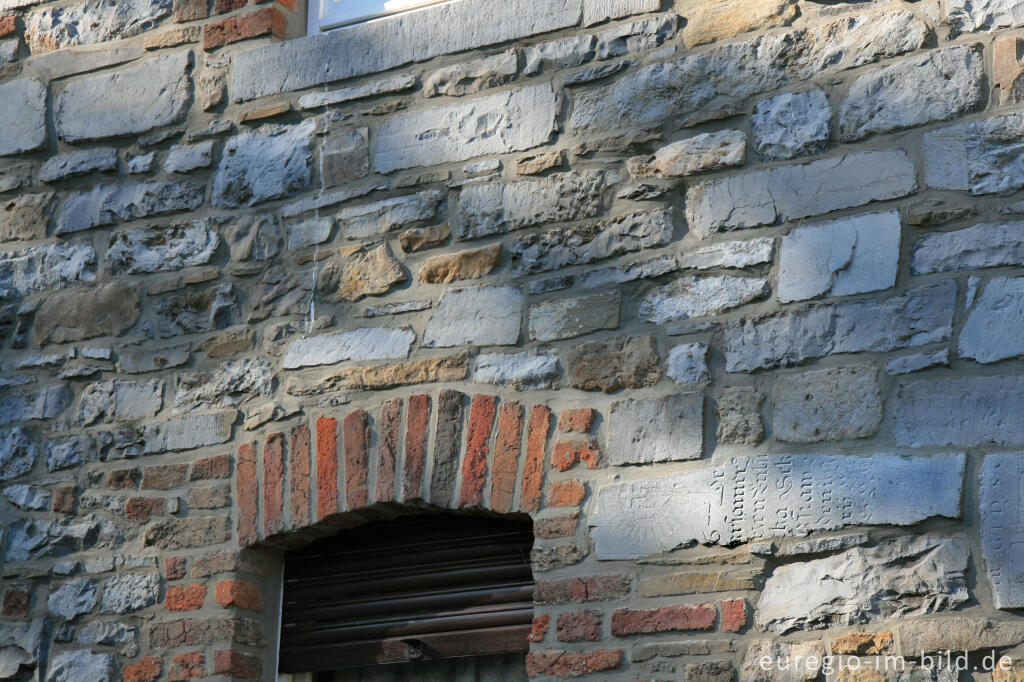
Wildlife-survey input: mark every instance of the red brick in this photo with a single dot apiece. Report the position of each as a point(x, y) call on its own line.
point(557, 663)
point(536, 448)
point(262, 22)
point(218, 466)
point(580, 590)
point(680, 618)
point(273, 485)
point(225, 6)
point(142, 509)
point(579, 626)
point(506, 457)
point(64, 500)
point(557, 527)
point(478, 437)
point(577, 421)
point(185, 597)
point(243, 594)
point(326, 467)
point(569, 453)
point(236, 664)
point(190, 10)
point(356, 430)
point(123, 479)
point(539, 628)
point(174, 567)
point(387, 452)
point(298, 467)
point(15, 602)
point(566, 493)
point(8, 25)
point(146, 670)
point(164, 477)
point(734, 615)
point(186, 666)
point(248, 494)
point(417, 424)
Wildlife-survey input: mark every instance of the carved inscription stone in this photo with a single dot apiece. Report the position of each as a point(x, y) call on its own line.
point(1002, 527)
point(773, 496)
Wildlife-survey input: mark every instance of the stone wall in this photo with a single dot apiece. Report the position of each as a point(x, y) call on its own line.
point(724, 294)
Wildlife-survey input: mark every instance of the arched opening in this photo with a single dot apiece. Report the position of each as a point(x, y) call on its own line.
point(435, 595)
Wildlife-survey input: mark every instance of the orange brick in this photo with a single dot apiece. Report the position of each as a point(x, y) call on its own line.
point(243, 594)
point(566, 493)
point(185, 597)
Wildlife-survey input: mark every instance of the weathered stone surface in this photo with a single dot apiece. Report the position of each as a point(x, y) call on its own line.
point(531, 370)
point(495, 124)
point(397, 308)
point(204, 310)
point(933, 87)
point(140, 361)
point(618, 274)
point(989, 335)
point(904, 577)
point(461, 265)
point(708, 22)
point(656, 430)
point(368, 220)
point(704, 152)
point(369, 343)
point(18, 454)
point(416, 36)
point(791, 124)
point(474, 76)
point(162, 249)
point(980, 156)
point(701, 582)
point(766, 197)
point(732, 73)
point(988, 245)
point(345, 156)
point(1001, 535)
point(738, 254)
point(269, 163)
point(430, 370)
point(917, 318)
point(739, 416)
point(116, 400)
point(26, 216)
point(22, 116)
point(688, 297)
point(423, 238)
point(972, 15)
point(185, 158)
point(308, 233)
point(72, 599)
point(562, 248)
point(46, 403)
point(596, 11)
point(107, 633)
point(124, 202)
point(93, 21)
point(316, 100)
point(654, 515)
point(64, 453)
point(485, 316)
point(226, 386)
point(360, 272)
point(968, 411)
point(82, 664)
point(105, 310)
point(28, 497)
point(495, 208)
point(188, 433)
point(824, 546)
point(130, 592)
point(917, 361)
point(254, 237)
point(828, 404)
point(151, 94)
point(565, 318)
point(72, 164)
point(646, 650)
point(840, 257)
point(51, 266)
point(958, 633)
point(688, 364)
point(613, 364)
point(37, 538)
point(788, 662)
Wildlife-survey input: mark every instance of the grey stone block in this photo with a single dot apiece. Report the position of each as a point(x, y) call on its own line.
point(46, 403)
point(688, 297)
point(484, 316)
point(189, 432)
point(184, 158)
point(981, 156)
point(687, 365)
point(668, 429)
point(92, 21)
point(972, 15)
point(827, 405)
point(50, 266)
point(132, 100)
point(729, 504)
point(620, 274)
point(226, 386)
point(81, 664)
point(369, 343)
point(596, 11)
point(18, 454)
point(566, 318)
point(113, 203)
point(1002, 539)
point(792, 124)
point(738, 254)
point(272, 162)
point(72, 599)
point(919, 317)
point(64, 166)
point(162, 249)
point(368, 220)
point(22, 116)
point(120, 400)
point(130, 592)
point(532, 370)
point(992, 330)
point(315, 100)
point(989, 245)
point(966, 411)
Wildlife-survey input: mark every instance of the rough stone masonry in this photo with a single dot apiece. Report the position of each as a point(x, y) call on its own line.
point(726, 295)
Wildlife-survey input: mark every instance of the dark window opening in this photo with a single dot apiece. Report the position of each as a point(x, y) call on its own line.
point(419, 595)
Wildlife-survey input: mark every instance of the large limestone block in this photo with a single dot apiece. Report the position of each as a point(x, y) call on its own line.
point(162, 249)
point(272, 162)
point(83, 313)
point(369, 343)
point(972, 15)
point(22, 116)
point(128, 101)
point(688, 297)
point(769, 196)
point(92, 21)
point(992, 331)
point(840, 257)
point(1002, 527)
point(596, 11)
point(774, 496)
point(967, 411)
point(485, 316)
point(791, 124)
point(50, 266)
point(905, 577)
point(124, 202)
point(494, 124)
point(656, 429)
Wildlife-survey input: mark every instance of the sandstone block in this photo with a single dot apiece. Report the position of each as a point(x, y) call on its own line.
point(360, 272)
point(472, 264)
point(739, 416)
point(709, 22)
point(704, 152)
point(613, 364)
point(107, 310)
point(26, 216)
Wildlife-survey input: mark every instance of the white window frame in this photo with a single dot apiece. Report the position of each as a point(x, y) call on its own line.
point(323, 15)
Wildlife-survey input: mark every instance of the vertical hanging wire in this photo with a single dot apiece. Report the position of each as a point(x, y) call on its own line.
point(316, 206)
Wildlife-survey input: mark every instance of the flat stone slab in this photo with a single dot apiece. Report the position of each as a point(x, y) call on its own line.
point(774, 496)
point(992, 330)
point(22, 116)
point(369, 343)
point(969, 411)
point(989, 245)
point(656, 430)
point(484, 316)
point(1002, 526)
